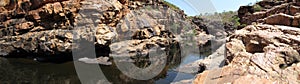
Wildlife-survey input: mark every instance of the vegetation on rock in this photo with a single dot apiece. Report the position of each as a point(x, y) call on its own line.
point(174, 7)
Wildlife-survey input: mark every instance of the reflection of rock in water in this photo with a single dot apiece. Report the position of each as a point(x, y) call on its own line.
point(28, 71)
point(13, 72)
point(115, 76)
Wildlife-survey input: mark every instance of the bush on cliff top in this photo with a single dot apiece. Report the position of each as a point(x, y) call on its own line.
point(226, 17)
point(171, 5)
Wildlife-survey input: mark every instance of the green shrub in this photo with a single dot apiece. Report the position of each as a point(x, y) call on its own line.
point(171, 5)
point(226, 17)
point(257, 7)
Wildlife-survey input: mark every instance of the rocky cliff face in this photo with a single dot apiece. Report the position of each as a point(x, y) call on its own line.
point(265, 52)
point(282, 12)
point(37, 26)
point(56, 27)
point(262, 53)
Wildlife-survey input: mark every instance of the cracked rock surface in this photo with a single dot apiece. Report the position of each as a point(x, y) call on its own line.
point(260, 53)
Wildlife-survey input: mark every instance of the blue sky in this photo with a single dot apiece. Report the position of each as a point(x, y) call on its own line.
point(195, 7)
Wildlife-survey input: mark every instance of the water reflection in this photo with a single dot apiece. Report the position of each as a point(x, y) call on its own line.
point(25, 71)
point(20, 70)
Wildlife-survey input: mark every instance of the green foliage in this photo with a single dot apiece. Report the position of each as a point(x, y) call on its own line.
point(257, 7)
point(171, 5)
point(243, 25)
point(226, 17)
point(235, 20)
point(190, 17)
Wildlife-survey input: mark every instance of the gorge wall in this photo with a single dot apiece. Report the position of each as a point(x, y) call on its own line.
point(54, 27)
point(266, 51)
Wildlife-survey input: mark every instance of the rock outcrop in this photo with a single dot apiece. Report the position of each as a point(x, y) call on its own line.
point(281, 12)
point(261, 53)
point(154, 26)
point(56, 27)
point(36, 26)
point(264, 52)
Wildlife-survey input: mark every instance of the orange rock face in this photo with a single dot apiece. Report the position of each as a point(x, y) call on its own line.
point(271, 12)
point(50, 27)
point(259, 54)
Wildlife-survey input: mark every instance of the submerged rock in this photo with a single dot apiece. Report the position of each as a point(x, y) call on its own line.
point(99, 60)
point(213, 61)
